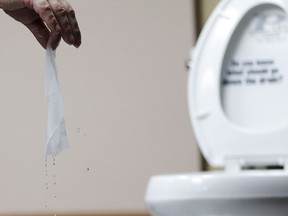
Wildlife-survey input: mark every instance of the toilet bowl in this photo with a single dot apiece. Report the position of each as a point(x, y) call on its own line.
point(215, 193)
point(238, 103)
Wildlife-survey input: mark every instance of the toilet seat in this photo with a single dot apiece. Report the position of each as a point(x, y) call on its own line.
point(218, 185)
point(219, 138)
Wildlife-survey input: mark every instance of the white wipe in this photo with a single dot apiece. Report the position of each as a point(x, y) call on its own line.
point(56, 130)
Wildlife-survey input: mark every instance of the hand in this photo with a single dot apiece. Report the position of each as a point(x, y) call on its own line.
point(44, 16)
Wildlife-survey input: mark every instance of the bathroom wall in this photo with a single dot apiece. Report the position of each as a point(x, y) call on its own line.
point(205, 8)
point(126, 109)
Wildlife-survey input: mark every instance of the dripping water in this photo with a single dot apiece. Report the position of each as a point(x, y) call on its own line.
point(50, 184)
point(54, 177)
point(46, 184)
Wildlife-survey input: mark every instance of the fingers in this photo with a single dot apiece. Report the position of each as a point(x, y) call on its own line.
point(73, 22)
point(59, 16)
point(43, 8)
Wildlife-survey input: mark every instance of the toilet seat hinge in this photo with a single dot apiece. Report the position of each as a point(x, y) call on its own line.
point(241, 163)
point(232, 165)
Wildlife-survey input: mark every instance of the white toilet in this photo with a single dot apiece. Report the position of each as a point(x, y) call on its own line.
point(238, 102)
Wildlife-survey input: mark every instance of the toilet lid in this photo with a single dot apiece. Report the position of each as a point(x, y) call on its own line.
point(238, 82)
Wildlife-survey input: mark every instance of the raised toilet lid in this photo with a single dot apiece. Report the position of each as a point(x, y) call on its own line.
point(238, 82)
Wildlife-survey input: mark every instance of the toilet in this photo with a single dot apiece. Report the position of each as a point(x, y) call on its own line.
point(238, 103)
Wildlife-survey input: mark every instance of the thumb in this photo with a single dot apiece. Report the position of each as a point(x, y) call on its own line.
point(40, 31)
point(54, 40)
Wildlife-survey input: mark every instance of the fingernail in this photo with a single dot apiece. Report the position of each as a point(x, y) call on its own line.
point(54, 46)
point(77, 44)
point(71, 39)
